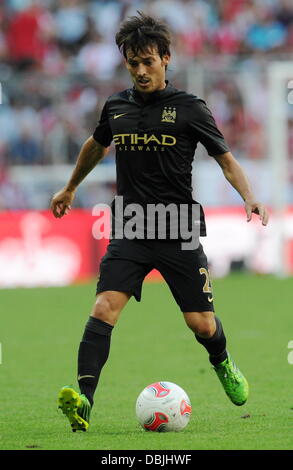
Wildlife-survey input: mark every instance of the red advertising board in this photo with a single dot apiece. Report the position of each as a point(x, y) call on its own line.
point(38, 250)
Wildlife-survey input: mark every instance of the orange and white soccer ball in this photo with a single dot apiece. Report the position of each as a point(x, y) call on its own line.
point(163, 406)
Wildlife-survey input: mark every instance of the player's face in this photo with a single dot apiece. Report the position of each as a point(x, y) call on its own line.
point(147, 70)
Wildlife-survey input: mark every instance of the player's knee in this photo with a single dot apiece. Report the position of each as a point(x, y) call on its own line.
point(105, 309)
point(203, 326)
point(205, 329)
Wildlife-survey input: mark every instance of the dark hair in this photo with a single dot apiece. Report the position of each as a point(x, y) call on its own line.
point(140, 33)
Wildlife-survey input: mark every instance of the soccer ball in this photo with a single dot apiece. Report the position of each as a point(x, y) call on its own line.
point(162, 407)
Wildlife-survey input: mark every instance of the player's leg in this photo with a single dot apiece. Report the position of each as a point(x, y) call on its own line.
point(95, 344)
point(122, 271)
point(209, 332)
point(92, 356)
point(186, 272)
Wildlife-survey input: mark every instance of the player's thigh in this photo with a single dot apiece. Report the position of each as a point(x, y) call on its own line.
point(108, 306)
point(122, 272)
point(186, 273)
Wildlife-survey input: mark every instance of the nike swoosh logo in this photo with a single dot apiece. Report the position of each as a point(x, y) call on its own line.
point(116, 116)
point(210, 299)
point(84, 376)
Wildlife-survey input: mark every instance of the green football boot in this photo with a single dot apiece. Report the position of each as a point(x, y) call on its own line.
point(233, 381)
point(76, 407)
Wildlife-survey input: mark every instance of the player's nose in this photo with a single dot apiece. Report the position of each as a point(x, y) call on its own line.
point(141, 70)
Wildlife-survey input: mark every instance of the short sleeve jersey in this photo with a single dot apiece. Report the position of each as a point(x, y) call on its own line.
point(155, 142)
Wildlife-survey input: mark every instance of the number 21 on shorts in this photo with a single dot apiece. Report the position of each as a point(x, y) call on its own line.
point(207, 289)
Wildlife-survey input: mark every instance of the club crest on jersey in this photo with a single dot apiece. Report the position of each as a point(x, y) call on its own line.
point(169, 114)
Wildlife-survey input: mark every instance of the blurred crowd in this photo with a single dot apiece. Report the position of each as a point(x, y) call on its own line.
point(59, 62)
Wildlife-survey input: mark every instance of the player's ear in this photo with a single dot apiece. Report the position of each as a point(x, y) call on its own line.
point(166, 60)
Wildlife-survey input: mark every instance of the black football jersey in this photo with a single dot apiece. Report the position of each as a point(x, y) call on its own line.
point(155, 142)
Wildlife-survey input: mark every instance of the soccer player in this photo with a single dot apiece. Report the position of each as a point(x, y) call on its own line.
point(155, 128)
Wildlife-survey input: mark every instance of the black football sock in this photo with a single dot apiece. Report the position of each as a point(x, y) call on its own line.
point(92, 354)
point(216, 344)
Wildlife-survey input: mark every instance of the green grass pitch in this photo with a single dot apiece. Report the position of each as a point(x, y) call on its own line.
point(40, 333)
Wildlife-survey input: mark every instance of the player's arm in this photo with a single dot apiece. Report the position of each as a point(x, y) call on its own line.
point(90, 154)
point(236, 176)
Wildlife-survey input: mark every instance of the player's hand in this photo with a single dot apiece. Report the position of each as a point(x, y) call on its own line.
point(61, 202)
point(252, 207)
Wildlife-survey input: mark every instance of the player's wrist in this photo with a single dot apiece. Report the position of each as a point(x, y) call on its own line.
point(250, 199)
point(70, 188)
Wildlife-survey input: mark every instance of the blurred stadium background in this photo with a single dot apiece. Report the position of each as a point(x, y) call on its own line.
point(58, 64)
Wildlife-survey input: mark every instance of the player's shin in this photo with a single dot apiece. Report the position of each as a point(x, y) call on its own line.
point(92, 355)
point(216, 344)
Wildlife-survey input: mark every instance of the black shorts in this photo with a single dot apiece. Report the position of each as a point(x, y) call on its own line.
point(127, 262)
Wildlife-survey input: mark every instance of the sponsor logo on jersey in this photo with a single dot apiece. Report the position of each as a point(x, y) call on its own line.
point(143, 142)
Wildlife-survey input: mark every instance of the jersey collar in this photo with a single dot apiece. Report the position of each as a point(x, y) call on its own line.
point(157, 95)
